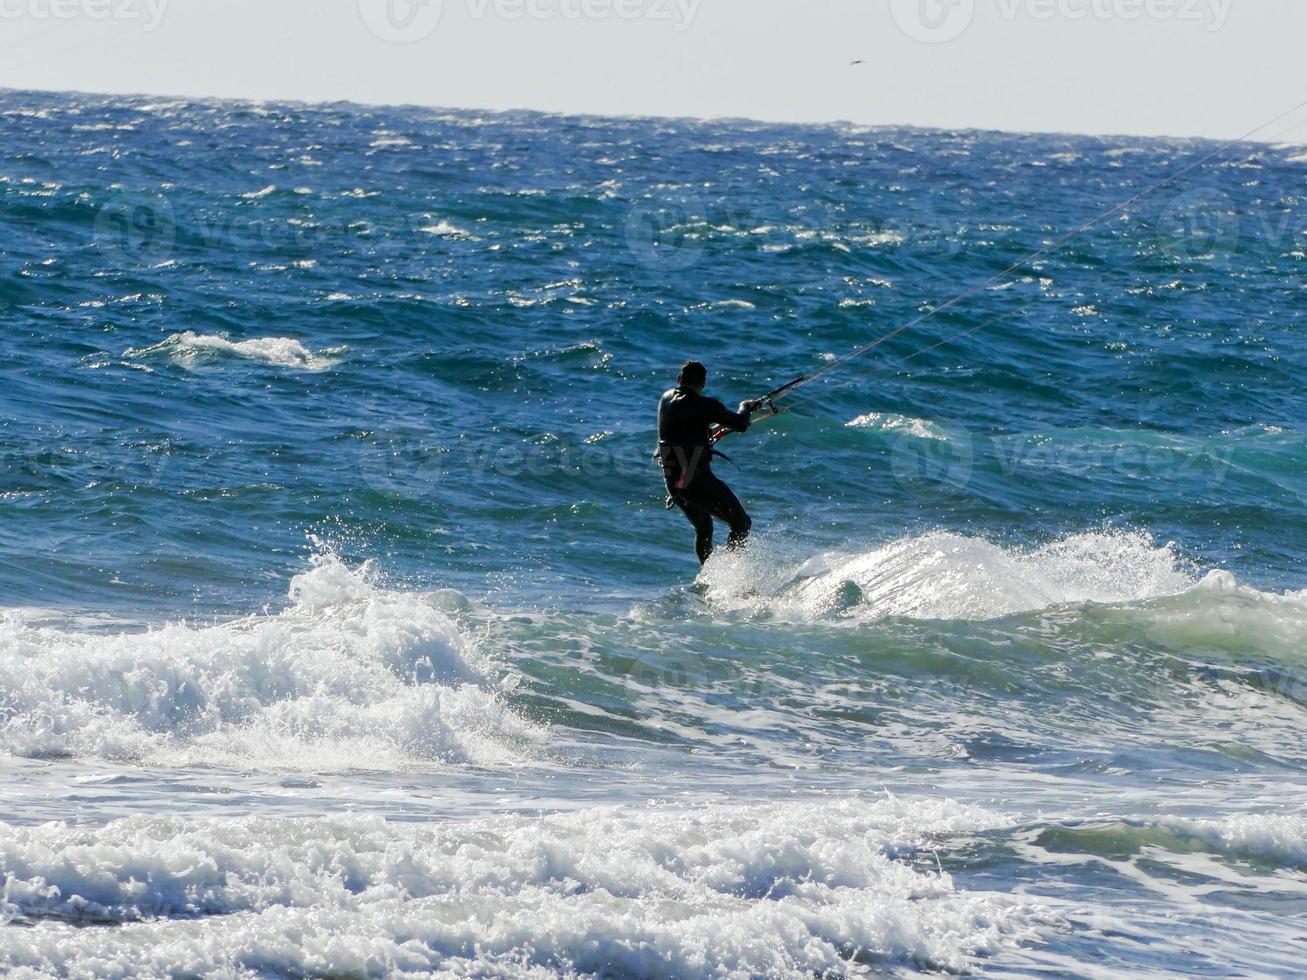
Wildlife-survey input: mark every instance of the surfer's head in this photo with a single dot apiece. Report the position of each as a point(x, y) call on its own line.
point(693, 376)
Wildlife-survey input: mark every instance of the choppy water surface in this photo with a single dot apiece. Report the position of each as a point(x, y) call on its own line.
point(344, 632)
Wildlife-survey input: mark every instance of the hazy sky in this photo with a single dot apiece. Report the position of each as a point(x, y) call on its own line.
point(1189, 67)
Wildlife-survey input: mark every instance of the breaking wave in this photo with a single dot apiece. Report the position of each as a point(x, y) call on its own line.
point(188, 348)
point(350, 673)
point(781, 890)
point(899, 425)
point(1219, 615)
point(945, 576)
point(1279, 839)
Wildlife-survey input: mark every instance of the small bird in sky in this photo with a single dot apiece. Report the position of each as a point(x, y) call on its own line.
point(860, 61)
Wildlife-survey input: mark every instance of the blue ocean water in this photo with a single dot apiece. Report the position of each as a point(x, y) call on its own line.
point(345, 633)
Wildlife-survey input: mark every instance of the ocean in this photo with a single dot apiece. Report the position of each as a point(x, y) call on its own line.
point(344, 631)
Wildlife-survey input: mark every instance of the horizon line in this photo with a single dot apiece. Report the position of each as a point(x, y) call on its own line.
point(552, 113)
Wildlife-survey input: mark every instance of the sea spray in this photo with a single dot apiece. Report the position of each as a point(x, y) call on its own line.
point(349, 674)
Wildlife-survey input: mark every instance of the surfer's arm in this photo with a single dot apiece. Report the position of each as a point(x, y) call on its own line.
point(735, 421)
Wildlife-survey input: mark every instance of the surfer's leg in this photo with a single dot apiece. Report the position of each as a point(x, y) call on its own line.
point(701, 518)
point(725, 506)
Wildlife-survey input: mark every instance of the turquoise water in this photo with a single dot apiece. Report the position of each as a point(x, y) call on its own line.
point(344, 631)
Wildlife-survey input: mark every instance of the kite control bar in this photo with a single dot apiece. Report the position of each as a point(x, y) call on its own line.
point(783, 390)
point(767, 404)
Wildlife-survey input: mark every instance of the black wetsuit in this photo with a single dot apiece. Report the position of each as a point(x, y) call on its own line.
point(685, 421)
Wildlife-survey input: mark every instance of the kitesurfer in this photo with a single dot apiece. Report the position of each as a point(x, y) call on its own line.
point(687, 421)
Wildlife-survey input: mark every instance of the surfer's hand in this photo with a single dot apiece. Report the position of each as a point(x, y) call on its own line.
point(748, 408)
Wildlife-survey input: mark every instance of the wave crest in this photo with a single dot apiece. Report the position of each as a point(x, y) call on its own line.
point(349, 674)
point(188, 348)
point(1220, 614)
point(944, 576)
point(904, 425)
point(787, 890)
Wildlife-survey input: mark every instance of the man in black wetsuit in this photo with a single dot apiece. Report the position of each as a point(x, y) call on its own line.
point(685, 449)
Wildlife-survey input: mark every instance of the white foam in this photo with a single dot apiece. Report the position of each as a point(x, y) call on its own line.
point(443, 228)
point(350, 675)
point(780, 890)
point(949, 576)
point(1281, 838)
point(899, 425)
point(1222, 614)
point(188, 347)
